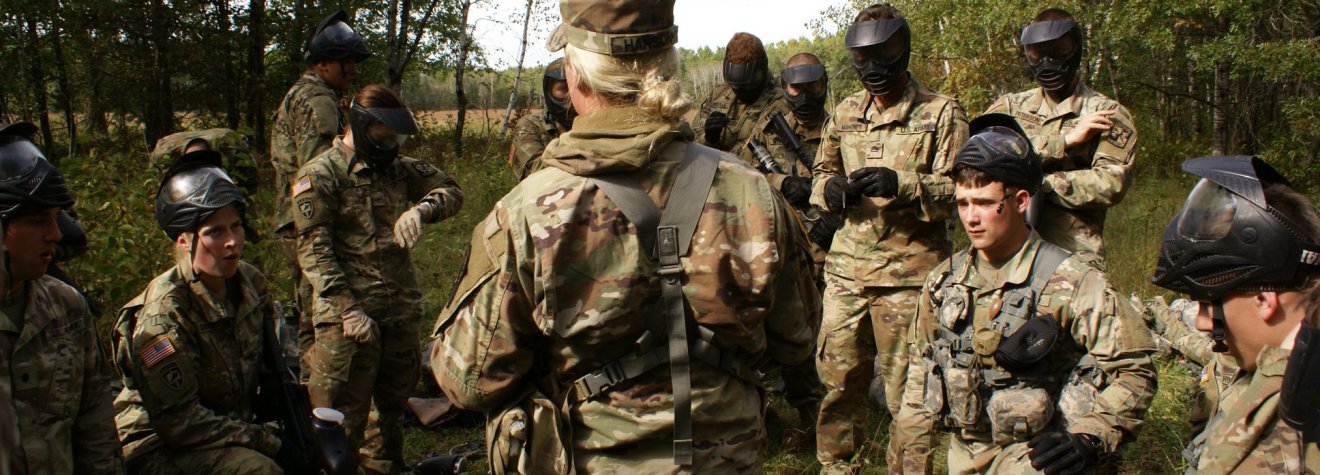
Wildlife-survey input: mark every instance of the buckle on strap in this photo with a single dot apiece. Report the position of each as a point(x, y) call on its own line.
point(666, 245)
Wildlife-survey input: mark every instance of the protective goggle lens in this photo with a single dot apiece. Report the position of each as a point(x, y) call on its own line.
point(1208, 213)
point(803, 73)
point(875, 32)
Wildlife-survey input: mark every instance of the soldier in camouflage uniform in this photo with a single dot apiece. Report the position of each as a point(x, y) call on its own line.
point(1024, 351)
point(882, 165)
point(558, 287)
point(189, 346)
point(54, 379)
point(741, 107)
point(359, 208)
point(1087, 141)
point(535, 131)
point(1244, 248)
point(306, 123)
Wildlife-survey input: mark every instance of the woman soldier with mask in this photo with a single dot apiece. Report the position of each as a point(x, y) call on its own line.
point(358, 209)
point(189, 346)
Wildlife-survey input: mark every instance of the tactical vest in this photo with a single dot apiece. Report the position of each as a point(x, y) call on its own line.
point(960, 363)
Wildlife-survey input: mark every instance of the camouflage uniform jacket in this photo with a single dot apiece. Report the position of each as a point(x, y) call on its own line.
point(305, 124)
point(745, 120)
point(1081, 182)
point(530, 136)
point(57, 382)
point(345, 214)
point(1093, 320)
point(810, 138)
point(191, 365)
point(892, 242)
point(1246, 434)
point(556, 284)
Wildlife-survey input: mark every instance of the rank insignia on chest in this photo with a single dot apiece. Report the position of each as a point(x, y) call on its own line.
point(1119, 135)
point(157, 350)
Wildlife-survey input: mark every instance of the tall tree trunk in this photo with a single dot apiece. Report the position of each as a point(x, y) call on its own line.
point(256, 65)
point(159, 120)
point(1219, 143)
point(517, 77)
point(37, 79)
point(464, 43)
point(66, 92)
point(402, 49)
point(232, 113)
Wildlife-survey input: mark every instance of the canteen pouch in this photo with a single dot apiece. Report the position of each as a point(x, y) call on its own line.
point(1079, 392)
point(1019, 414)
point(529, 437)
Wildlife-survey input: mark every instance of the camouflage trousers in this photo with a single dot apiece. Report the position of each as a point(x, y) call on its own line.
point(370, 385)
point(971, 456)
point(863, 330)
point(302, 298)
point(235, 459)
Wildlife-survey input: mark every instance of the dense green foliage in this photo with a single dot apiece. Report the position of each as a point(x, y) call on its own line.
point(1236, 76)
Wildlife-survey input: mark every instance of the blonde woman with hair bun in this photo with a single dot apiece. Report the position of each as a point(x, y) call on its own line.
point(563, 296)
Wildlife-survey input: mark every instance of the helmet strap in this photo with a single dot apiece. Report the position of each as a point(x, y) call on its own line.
point(1220, 326)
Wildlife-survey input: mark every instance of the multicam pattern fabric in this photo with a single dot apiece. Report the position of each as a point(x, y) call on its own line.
point(306, 122)
point(530, 136)
point(55, 373)
point(229, 143)
point(862, 330)
point(1083, 182)
point(346, 247)
point(746, 121)
point(892, 242)
point(556, 286)
point(1246, 435)
point(201, 396)
point(1093, 321)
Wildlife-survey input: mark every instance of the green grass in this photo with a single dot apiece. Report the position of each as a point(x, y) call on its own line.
point(114, 191)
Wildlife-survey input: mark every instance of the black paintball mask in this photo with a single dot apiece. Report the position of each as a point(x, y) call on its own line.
point(809, 104)
point(1000, 148)
point(1228, 239)
point(1054, 52)
point(559, 109)
point(881, 73)
point(747, 79)
point(335, 40)
point(375, 151)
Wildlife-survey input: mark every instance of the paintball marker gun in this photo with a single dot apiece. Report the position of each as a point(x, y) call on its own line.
point(319, 444)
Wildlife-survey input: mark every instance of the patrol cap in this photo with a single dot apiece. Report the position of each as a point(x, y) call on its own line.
point(1042, 31)
point(874, 32)
point(615, 27)
point(1000, 148)
point(802, 73)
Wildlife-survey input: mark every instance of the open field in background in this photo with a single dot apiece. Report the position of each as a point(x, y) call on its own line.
point(114, 190)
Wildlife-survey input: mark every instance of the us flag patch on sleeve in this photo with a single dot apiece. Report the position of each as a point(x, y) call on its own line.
point(159, 348)
point(303, 185)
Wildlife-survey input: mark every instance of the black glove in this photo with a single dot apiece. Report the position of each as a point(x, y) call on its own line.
point(797, 190)
point(839, 193)
point(715, 124)
point(875, 181)
point(1063, 453)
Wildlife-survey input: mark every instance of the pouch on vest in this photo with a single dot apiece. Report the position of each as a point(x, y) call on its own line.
point(934, 391)
point(1077, 398)
point(962, 389)
point(529, 436)
point(1028, 345)
point(1019, 414)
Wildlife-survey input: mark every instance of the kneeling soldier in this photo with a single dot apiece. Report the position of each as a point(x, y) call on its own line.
point(1024, 351)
